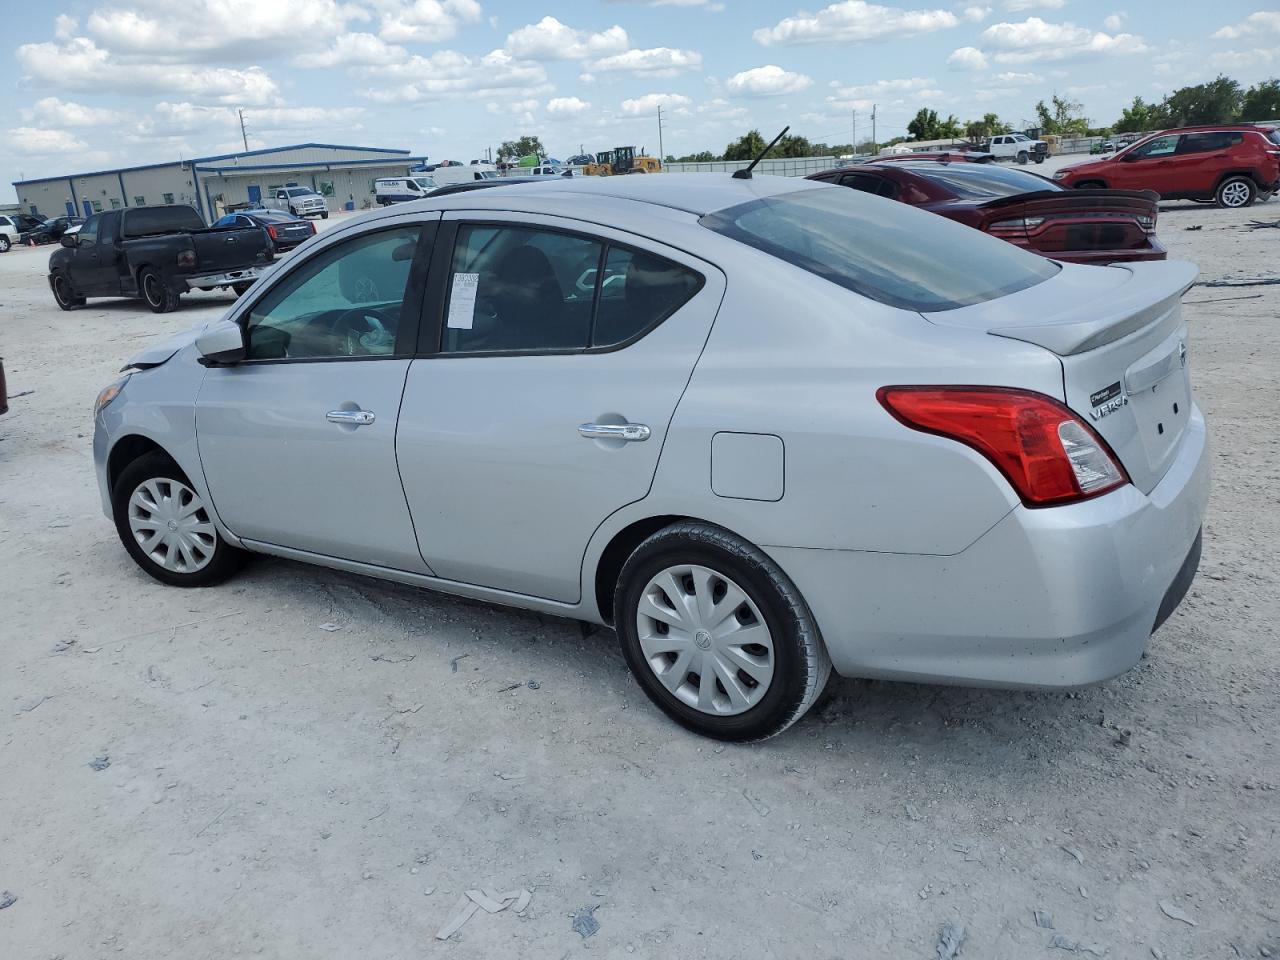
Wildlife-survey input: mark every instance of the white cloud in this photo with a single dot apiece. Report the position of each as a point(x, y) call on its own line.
point(65, 27)
point(854, 20)
point(1262, 22)
point(549, 39)
point(976, 14)
point(1035, 40)
point(353, 48)
point(882, 93)
point(37, 141)
point(766, 81)
point(174, 119)
point(656, 61)
point(650, 102)
point(1243, 59)
point(452, 74)
point(1115, 21)
point(526, 106)
point(967, 58)
point(567, 107)
point(1018, 5)
point(80, 64)
point(1009, 77)
point(62, 113)
point(424, 21)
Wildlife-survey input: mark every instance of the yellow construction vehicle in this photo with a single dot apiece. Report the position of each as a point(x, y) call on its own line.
point(622, 160)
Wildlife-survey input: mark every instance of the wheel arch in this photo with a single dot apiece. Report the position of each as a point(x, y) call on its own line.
point(1230, 174)
point(126, 450)
point(615, 553)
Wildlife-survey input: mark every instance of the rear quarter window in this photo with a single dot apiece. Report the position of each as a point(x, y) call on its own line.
point(886, 251)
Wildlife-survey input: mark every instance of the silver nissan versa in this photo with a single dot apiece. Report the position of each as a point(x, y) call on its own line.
point(763, 427)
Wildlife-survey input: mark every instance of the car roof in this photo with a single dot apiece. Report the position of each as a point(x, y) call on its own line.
point(695, 193)
point(1210, 127)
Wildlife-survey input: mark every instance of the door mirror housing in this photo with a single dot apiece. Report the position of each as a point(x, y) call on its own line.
point(221, 343)
point(68, 240)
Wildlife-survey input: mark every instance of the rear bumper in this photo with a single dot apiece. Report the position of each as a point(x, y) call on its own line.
point(1057, 597)
point(1154, 251)
point(225, 278)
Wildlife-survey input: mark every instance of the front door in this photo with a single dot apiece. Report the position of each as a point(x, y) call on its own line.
point(255, 194)
point(558, 356)
point(1148, 167)
point(298, 441)
point(93, 268)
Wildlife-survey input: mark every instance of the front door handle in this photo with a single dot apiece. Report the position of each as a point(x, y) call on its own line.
point(632, 432)
point(355, 418)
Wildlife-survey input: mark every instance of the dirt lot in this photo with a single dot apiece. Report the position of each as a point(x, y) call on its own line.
point(280, 789)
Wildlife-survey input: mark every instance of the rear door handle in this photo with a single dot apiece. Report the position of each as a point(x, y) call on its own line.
point(632, 432)
point(355, 418)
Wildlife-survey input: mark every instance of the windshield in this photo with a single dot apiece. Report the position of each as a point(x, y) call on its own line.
point(426, 183)
point(984, 181)
point(299, 192)
point(882, 249)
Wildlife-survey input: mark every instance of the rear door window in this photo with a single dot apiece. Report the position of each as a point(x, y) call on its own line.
point(892, 253)
point(1210, 141)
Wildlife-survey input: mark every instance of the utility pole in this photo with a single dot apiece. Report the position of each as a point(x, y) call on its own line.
point(855, 132)
point(874, 148)
point(662, 154)
point(243, 133)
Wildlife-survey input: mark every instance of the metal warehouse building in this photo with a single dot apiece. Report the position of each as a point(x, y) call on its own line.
point(211, 184)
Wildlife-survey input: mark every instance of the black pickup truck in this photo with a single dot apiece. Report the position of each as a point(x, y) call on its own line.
point(156, 253)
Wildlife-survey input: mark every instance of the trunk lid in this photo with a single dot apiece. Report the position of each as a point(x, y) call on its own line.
point(1058, 221)
point(1120, 337)
point(219, 250)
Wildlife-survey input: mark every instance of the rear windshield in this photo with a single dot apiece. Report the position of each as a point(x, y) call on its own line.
point(149, 221)
point(882, 249)
point(983, 181)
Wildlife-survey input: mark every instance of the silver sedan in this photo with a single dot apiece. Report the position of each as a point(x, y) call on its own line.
point(762, 427)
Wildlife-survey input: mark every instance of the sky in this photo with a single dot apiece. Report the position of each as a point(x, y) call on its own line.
point(98, 84)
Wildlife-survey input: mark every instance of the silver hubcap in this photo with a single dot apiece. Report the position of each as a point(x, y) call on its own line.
point(705, 640)
point(171, 525)
point(1235, 194)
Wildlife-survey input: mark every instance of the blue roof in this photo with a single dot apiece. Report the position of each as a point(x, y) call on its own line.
point(225, 156)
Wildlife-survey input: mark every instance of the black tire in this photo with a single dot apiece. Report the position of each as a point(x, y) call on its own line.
point(802, 666)
point(1040, 158)
point(157, 466)
point(159, 297)
point(62, 294)
point(4, 243)
point(293, 212)
point(240, 289)
point(1236, 193)
point(324, 216)
point(1023, 156)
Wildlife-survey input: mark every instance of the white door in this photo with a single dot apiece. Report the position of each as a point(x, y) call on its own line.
point(545, 408)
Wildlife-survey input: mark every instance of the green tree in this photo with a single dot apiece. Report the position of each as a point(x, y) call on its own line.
point(796, 146)
point(515, 149)
point(1217, 101)
point(950, 127)
point(1140, 116)
point(703, 156)
point(746, 147)
point(1062, 117)
point(925, 125)
point(989, 126)
point(1262, 101)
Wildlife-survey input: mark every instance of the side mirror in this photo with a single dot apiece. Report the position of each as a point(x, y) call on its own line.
point(221, 343)
point(68, 239)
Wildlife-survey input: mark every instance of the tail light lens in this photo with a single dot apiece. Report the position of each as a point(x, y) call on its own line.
point(1015, 227)
point(312, 225)
point(272, 232)
point(1048, 454)
point(186, 258)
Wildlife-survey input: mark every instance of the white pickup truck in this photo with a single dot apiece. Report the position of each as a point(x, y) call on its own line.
point(299, 201)
point(1017, 146)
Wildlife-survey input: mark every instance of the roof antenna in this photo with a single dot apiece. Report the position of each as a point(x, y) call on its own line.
point(745, 173)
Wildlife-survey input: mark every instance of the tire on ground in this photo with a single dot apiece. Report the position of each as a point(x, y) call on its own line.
point(801, 666)
point(1023, 156)
point(62, 294)
point(158, 466)
point(159, 296)
point(1236, 192)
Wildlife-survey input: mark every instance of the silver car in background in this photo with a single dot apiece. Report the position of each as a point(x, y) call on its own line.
point(762, 427)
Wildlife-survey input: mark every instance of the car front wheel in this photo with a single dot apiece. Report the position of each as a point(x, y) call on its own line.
point(62, 293)
point(165, 525)
point(1236, 192)
point(716, 634)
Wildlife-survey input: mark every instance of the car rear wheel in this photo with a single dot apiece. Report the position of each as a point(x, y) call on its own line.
point(1023, 157)
point(62, 294)
point(1040, 158)
point(716, 634)
point(160, 298)
point(165, 525)
point(324, 216)
point(1236, 192)
point(4, 243)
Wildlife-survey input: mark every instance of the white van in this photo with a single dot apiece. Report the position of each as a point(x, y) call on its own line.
point(399, 189)
point(463, 174)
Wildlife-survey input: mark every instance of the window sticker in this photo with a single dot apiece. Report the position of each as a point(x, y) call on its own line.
point(462, 300)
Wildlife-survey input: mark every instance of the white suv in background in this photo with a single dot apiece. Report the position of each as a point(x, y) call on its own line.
point(8, 234)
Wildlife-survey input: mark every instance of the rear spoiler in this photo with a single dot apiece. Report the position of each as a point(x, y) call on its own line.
point(1152, 291)
point(1086, 197)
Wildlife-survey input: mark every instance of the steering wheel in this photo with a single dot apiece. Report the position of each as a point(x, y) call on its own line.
point(364, 319)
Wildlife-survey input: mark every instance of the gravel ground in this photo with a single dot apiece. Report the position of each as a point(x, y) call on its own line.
point(273, 787)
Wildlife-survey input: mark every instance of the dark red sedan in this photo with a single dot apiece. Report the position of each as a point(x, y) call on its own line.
point(1080, 226)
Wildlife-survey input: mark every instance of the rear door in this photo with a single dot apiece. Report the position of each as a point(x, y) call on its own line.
point(1203, 157)
point(298, 441)
point(542, 396)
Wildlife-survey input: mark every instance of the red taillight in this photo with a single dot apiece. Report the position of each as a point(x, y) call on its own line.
point(312, 225)
point(272, 231)
point(186, 258)
point(1046, 452)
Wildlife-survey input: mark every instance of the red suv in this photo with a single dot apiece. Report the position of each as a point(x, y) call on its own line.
point(1230, 164)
